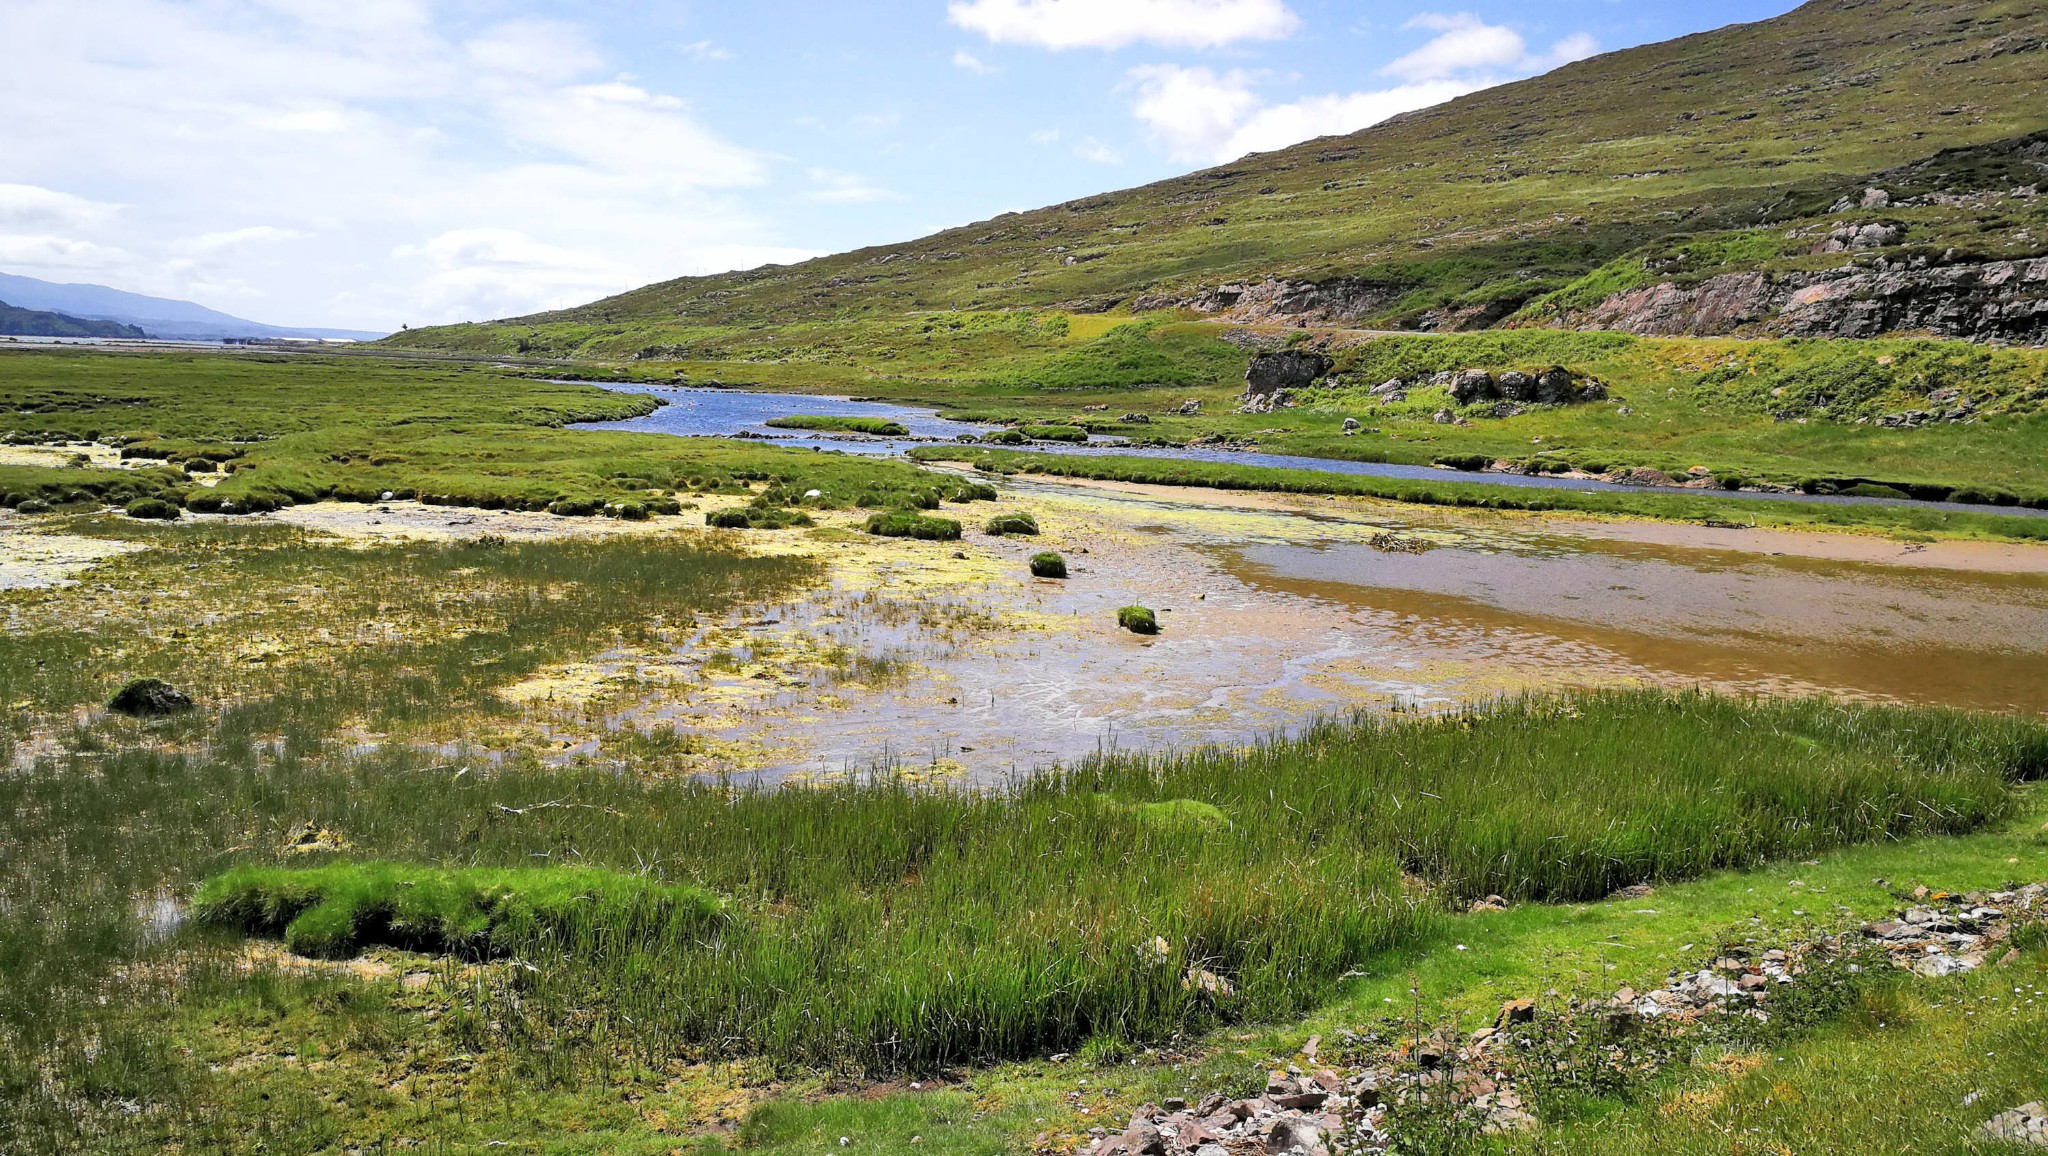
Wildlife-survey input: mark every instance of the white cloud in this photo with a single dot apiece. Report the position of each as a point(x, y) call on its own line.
point(30, 207)
point(1465, 44)
point(1203, 116)
point(278, 151)
point(705, 50)
point(233, 239)
point(848, 189)
point(964, 59)
point(1046, 136)
point(1193, 111)
point(1095, 151)
point(1064, 24)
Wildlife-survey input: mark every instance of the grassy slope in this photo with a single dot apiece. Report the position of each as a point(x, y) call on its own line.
point(1687, 136)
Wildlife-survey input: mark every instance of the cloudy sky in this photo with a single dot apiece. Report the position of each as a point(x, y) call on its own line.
point(367, 163)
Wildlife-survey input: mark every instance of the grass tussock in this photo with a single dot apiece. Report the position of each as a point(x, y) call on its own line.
point(332, 912)
point(1048, 565)
point(1138, 620)
point(1022, 525)
point(911, 524)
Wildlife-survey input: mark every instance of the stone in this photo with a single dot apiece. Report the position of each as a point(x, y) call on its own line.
point(1517, 386)
point(1473, 386)
point(150, 698)
point(1445, 417)
point(1190, 407)
point(1515, 1011)
point(1876, 199)
point(1135, 419)
point(1290, 1137)
point(1291, 369)
point(1560, 386)
point(1635, 891)
point(2026, 1124)
point(1351, 425)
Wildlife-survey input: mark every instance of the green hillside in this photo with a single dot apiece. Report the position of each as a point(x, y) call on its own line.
point(18, 322)
point(1725, 150)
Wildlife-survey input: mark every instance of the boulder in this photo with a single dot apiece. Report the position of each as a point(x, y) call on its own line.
point(1475, 385)
point(1516, 385)
point(1557, 386)
point(150, 698)
point(1292, 369)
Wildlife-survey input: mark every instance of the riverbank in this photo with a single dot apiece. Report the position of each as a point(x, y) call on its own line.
point(1789, 512)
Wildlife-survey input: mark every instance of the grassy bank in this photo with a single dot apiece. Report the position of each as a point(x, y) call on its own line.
point(880, 927)
point(1705, 508)
point(259, 432)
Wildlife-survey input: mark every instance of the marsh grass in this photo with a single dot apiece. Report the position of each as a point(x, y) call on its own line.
point(876, 925)
point(877, 426)
point(332, 912)
point(1482, 496)
point(1023, 525)
point(911, 524)
point(269, 627)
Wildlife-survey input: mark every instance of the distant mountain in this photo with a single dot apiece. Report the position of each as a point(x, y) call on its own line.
point(17, 322)
point(157, 316)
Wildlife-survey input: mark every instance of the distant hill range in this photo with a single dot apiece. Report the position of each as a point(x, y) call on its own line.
point(1849, 169)
point(17, 322)
point(157, 317)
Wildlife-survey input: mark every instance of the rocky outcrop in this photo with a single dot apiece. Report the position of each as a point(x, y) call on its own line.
point(1987, 301)
point(1294, 369)
point(1554, 386)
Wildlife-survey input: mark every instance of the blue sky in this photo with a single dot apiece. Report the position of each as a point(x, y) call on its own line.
point(374, 162)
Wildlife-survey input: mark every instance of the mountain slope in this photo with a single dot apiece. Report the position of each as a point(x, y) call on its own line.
point(1459, 215)
point(17, 322)
point(160, 316)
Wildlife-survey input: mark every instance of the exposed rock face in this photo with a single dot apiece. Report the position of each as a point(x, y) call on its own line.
point(1270, 373)
point(1997, 300)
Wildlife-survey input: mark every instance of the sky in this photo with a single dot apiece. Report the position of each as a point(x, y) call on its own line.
point(375, 163)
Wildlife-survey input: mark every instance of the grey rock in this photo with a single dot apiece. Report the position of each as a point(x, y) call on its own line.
point(1475, 385)
point(1291, 369)
point(2026, 1124)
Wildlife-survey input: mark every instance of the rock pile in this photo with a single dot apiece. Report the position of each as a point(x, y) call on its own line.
point(1329, 1111)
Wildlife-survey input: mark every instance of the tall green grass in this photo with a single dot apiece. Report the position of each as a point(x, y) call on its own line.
point(882, 926)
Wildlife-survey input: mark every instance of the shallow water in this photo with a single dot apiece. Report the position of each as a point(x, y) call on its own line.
point(725, 412)
point(1273, 616)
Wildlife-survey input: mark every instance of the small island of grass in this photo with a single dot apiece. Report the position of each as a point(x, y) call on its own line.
point(820, 423)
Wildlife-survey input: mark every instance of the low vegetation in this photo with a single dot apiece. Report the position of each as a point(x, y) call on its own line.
point(878, 427)
point(1138, 620)
point(1451, 491)
point(333, 912)
point(911, 524)
point(1021, 524)
point(1048, 565)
